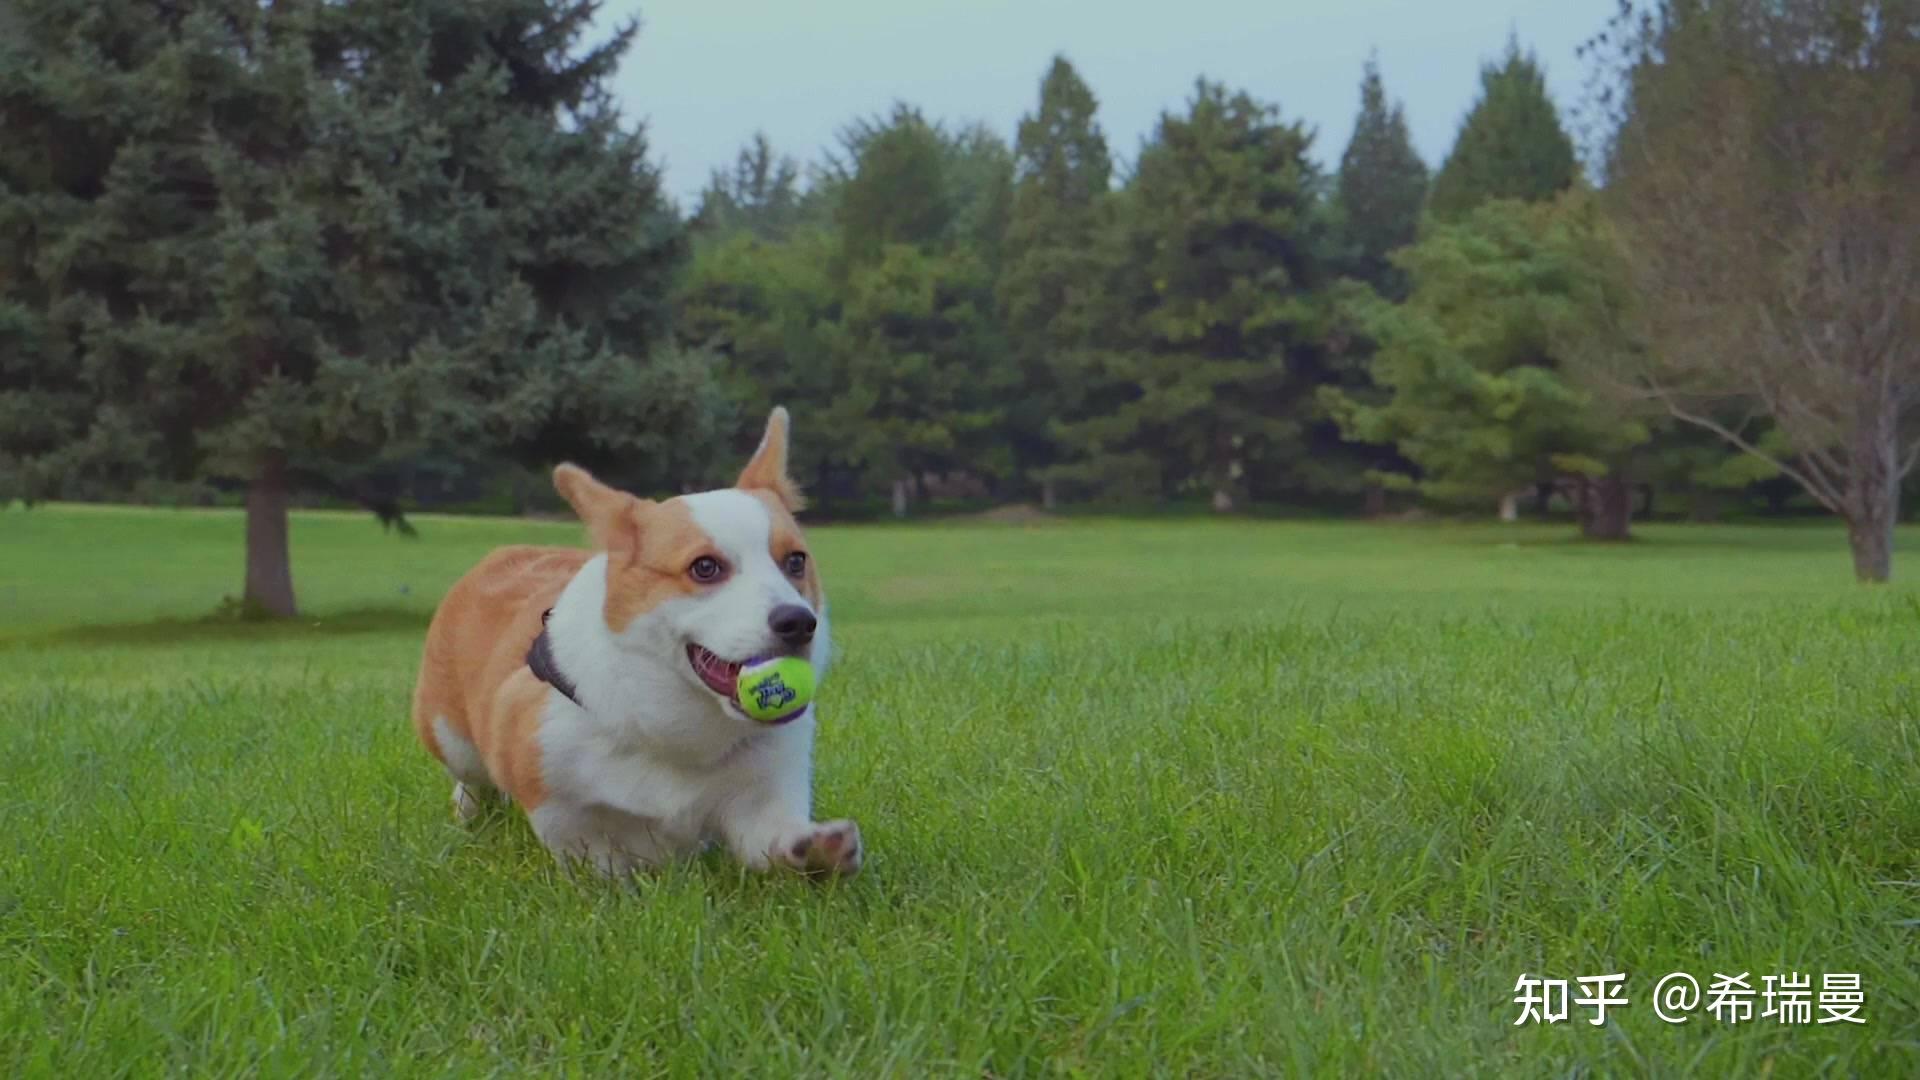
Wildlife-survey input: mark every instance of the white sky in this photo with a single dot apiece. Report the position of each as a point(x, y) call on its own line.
point(705, 74)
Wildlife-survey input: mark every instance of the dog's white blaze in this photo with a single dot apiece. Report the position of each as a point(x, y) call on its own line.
point(732, 619)
point(742, 530)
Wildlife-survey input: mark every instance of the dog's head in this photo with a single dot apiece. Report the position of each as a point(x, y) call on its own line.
point(710, 581)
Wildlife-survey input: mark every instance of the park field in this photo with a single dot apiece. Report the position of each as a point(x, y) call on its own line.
point(1183, 798)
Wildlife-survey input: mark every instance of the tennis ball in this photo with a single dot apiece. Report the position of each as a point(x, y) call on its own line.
point(774, 690)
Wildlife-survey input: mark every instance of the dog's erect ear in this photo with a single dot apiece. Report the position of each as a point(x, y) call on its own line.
point(767, 471)
point(612, 517)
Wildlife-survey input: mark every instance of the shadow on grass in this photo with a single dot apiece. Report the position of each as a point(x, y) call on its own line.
point(229, 628)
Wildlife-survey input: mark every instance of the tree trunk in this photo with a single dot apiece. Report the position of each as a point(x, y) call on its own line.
point(269, 564)
point(1873, 500)
point(1047, 496)
point(1376, 500)
point(1509, 507)
point(1543, 499)
point(899, 498)
point(1872, 544)
point(1226, 472)
point(1606, 508)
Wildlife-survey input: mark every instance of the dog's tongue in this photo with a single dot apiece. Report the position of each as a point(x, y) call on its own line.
point(721, 675)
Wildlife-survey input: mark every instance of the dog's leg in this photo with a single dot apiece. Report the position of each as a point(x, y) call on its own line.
point(468, 802)
point(613, 844)
point(767, 826)
point(573, 836)
point(827, 847)
point(472, 787)
point(471, 799)
point(761, 841)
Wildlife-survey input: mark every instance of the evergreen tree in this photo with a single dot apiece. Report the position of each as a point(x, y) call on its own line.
point(902, 179)
point(1062, 174)
point(287, 243)
point(1381, 191)
point(1511, 145)
point(769, 312)
point(820, 308)
point(1699, 466)
point(895, 187)
point(1481, 397)
point(759, 195)
point(1217, 315)
point(923, 383)
point(1380, 194)
point(979, 180)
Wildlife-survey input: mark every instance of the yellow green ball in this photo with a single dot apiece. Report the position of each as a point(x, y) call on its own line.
point(775, 690)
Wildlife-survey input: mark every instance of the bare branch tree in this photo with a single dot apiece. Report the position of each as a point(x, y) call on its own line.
point(1764, 181)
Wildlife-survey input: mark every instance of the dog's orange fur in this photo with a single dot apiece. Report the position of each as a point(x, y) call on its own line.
point(650, 567)
point(474, 669)
point(474, 672)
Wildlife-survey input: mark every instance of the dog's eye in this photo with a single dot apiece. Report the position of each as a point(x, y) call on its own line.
point(706, 568)
point(797, 564)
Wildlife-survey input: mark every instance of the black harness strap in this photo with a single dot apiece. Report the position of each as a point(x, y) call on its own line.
point(540, 661)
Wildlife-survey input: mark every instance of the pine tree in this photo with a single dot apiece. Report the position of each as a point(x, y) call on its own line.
point(1063, 172)
point(1380, 194)
point(1481, 396)
point(1381, 191)
point(1217, 316)
point(769, 312)
point(288, 244)
point(918, 370)
point(1511, 145)
point(979, 179)
point(895, 188)
point(759, 195)
point(923, 384)
point(903, 179)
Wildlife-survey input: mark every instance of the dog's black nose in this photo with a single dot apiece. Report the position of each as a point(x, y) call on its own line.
point(792, 624)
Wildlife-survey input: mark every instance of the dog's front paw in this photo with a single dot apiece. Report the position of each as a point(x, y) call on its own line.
point(831, 848)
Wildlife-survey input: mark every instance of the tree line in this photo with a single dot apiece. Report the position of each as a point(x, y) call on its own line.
point(388, 251)
point(1719, 303)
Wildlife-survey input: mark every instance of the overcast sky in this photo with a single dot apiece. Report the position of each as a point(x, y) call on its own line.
point(705, 74)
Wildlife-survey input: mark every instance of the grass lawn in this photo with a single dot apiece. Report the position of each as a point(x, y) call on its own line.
point(1186, 798)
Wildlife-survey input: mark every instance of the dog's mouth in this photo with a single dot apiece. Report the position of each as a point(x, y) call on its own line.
point(721, 676)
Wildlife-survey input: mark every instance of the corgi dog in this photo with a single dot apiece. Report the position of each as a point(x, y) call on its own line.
point(596, 689)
